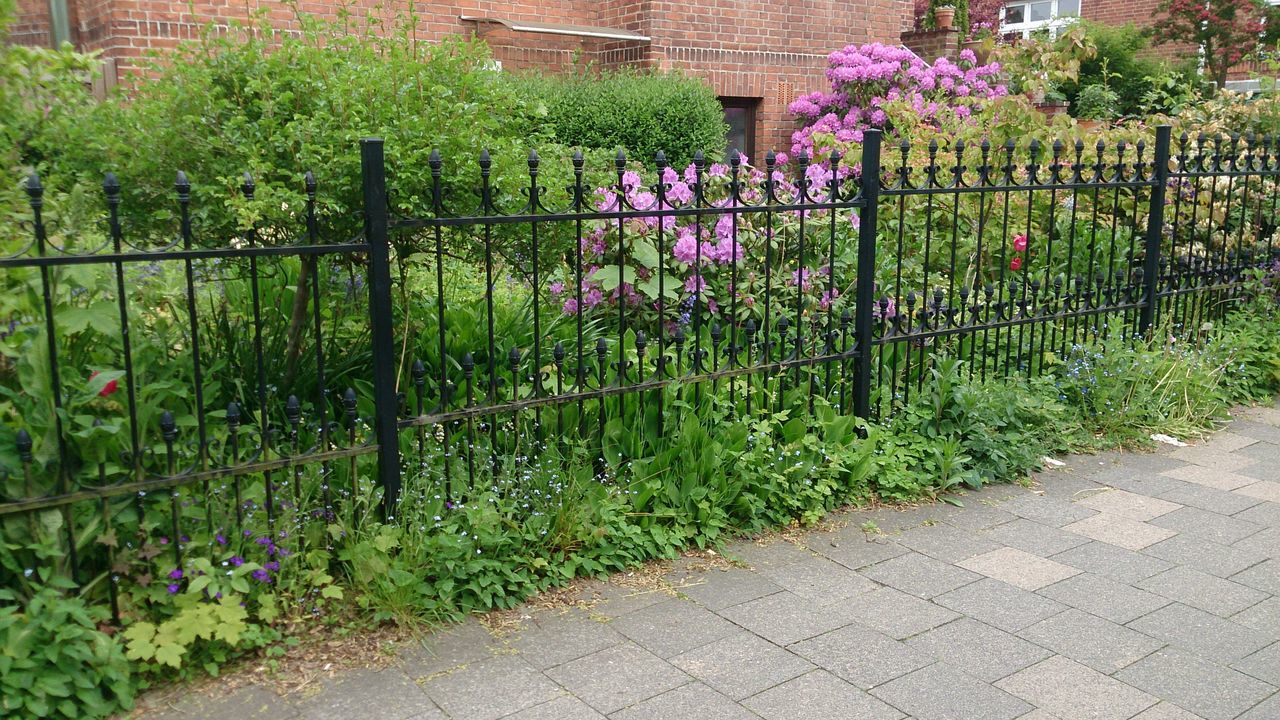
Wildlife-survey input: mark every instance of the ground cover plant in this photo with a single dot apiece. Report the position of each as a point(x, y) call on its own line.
point(497, 506)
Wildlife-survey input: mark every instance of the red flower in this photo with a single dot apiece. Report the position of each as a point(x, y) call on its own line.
point(1020, 242)
point(1015, 264)
point(107, 389)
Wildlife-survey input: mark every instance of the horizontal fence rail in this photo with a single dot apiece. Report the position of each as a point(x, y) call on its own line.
point(288, 377)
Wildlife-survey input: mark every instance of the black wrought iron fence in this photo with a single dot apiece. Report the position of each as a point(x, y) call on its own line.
point(495, 329)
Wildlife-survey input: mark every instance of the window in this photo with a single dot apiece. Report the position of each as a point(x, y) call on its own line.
point(740, 116)
point(1024, 18)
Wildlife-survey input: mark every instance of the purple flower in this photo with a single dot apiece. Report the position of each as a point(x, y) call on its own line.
point(261, 576)
point(220, 539)
point(448, 504)
point(164, 541)
point(273, 566)
point(175, 574)
point(237, 561)
point(173, 589)
point(263, 541)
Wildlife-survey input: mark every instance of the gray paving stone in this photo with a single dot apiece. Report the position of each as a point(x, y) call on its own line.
point(1268, 709)
point(484, 690)
point(1072, 691)
point(1105, 597)
point(977, 516)
point(673, 627)
point(854, 550)
point(765, 554)
point(1194, 522)
point(1092, 641)
point(1000, 604)
point(1264, 576)
point(1211, 499)
point(1266, 542)
point(1266, 514)
point(1066, 485)
point(1149, 461)
point(819, 696)
point(618, 677)
point(1218, 478)
point(717, 589)
point(940, 692)
point(1264, 664)
point(1265, 453)
point(741, 665)
point(1050, 511)
point(919, 575)
point(1264, 616)
point(614, 601)
point(1203, 634)
point(1263, 490)
point(1125, 477)
point(860, 655)
point(1134, 506)
point(1019, 568)
point(464, 643)
point(1204, 591)
point(1259, 431)
point(784, 618)
point(557, 638)
point(944, 542)
point(1228, 441)
point(564, 707)
point(395, 695)
point(248, 703)
point(896, 613)
point(1211, 458)
point(1121, 531)
point(1205, 555)
point(1033, 537)
point(1105, 559)
point(688, 701)
point(1209, 690)
point(1165, 711)
point(980, 650)
point(818, 578)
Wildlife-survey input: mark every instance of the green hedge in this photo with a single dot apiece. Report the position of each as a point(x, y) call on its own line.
point(639, 112)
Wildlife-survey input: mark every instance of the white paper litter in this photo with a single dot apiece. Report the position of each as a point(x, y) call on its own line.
point(1167, 440)
point(1052, 462)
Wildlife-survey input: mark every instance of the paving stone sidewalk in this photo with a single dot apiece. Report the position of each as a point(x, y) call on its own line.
point(1122, 585)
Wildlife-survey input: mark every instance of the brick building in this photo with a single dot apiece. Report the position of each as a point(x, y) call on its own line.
point(756, 55)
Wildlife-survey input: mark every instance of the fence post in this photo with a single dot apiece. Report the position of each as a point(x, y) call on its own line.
point(373, 175)
point(864, 296)
point(1155, 231)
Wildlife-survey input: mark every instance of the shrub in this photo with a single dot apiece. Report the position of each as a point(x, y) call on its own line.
point(1097, 102)
point(232, 103)
point(1117, 63)
point(639, 112)
point(55, 663)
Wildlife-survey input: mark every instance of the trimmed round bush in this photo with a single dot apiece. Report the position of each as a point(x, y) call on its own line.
point(639, 112)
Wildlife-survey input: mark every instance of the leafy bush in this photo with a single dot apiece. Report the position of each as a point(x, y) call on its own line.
point(1117, 63)
point(639, 112)
point(1097, 102)
point(238, 102)
point(55, 663)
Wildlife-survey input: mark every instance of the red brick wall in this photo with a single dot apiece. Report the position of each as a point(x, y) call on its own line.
point(930, 45)
point(31, 23)
point(743, 48)
point(1139, 12)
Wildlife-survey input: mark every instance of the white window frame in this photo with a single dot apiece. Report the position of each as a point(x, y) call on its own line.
point(1054, 24)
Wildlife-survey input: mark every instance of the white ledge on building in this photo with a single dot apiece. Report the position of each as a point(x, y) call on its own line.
point(589, 31)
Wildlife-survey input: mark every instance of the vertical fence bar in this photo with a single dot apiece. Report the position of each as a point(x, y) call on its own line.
point(866, 282)
point(373, 175)
point(1155, 230)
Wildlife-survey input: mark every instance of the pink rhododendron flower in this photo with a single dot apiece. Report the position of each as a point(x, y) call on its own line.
point(1020, 242)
